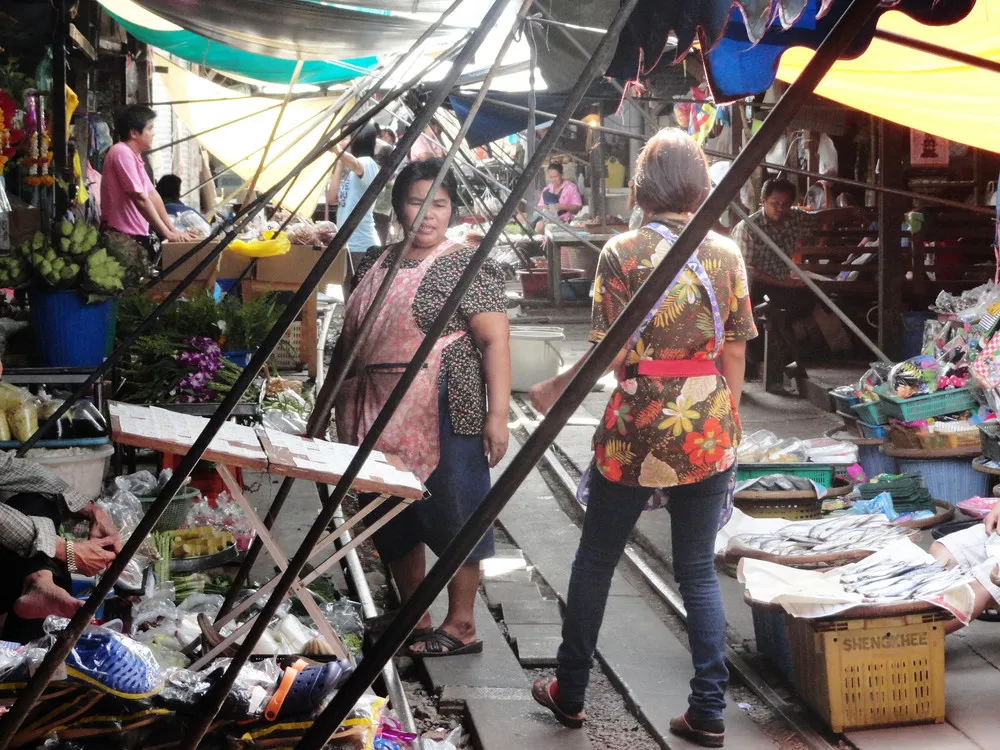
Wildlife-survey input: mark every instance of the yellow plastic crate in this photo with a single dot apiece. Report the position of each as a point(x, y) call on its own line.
point(865, 673)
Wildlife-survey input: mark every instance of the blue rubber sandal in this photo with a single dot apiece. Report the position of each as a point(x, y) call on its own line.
point(109, 663)
point(312, 686)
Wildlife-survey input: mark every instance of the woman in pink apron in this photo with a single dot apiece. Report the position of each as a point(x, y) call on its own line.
point(669, 431)
point(451, 426)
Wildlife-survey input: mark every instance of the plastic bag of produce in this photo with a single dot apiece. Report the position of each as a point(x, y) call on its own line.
point(4, 427)
point(23, 419)
point(11, 396)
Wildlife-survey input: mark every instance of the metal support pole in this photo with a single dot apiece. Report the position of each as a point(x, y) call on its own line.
point(323, 405)
point(804, 277)
point(12, 721)
point(600, 356)
point(893, 149)
point(274, 130)
point(210, 705)
point(60, 156)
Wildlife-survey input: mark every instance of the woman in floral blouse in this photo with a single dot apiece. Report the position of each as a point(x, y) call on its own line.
point(671, 424)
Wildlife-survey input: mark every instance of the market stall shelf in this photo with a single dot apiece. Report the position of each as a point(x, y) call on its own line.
point(276, 453)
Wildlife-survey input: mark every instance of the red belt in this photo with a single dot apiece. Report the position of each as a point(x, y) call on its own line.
point(672, 368)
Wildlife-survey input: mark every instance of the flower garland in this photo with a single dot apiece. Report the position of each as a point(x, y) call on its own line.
point(39, 155)
point(10, 133)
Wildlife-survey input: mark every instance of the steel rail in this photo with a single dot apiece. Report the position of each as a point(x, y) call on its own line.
point(212, 702)
point(313, 429)
point(457, 552)
point(672, 599)
point(600, 357)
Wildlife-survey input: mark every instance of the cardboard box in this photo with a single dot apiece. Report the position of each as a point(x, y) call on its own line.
point(174, 250)
point(24, 222)
point(290, 268)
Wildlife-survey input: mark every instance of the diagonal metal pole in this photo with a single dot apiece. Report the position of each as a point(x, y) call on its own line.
point(804, 277)
point(243, 574)
point(210, 705)
point(231, 230)
point(595, 364)
point(235, 121)
point(11, 721)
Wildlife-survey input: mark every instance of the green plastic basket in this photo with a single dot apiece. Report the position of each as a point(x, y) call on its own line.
point(819, 473)
point(176, 513)
point(871, 412)
point(931, 405)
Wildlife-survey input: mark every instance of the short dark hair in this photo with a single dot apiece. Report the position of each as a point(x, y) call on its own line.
point(416, 171)
point(671, 173)
point(133, 117)
point(169, 188)
point(389, 135)
point(778, 185)
point(364, 141)
point(556, 166)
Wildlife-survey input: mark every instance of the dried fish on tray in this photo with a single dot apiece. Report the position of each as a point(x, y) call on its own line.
point(891, 581)
point(838, 534)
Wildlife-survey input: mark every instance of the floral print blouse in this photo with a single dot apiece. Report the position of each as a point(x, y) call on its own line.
point(662, 432)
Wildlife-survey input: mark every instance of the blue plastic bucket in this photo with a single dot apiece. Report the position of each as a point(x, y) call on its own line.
point(949, 479)
point(240, 359)
point(875, 462)
point(70, 333)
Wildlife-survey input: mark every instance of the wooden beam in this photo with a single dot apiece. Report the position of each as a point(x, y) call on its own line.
point(81, 43)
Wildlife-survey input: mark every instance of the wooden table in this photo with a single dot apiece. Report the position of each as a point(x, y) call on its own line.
point(272, 452)
point(560, 238)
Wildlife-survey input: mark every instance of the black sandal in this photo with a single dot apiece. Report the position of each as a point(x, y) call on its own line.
point(442, 643)
point(541, 691)
point(682, 728)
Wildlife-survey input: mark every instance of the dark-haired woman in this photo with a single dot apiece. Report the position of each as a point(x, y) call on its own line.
point(670, 424)
point(451, 426)
point(360, 165)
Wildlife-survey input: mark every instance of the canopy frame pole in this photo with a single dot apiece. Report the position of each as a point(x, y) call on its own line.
point(600, 357)
point(212, 129)
point(274, 130)
point(938, 51)
point(209, 706)
point(323, 405)
point(231, 230)
point(282, 495)
point(804, 277)
point(865, 186)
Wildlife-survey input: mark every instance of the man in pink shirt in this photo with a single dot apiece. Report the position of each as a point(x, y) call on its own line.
point(129, 201)
point(559, 196)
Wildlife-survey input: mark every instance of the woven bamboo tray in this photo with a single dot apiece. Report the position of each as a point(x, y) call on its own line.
point(979, 465)
point(830, 560)
point(943, 513)
point(865, 611)
point(839, 489)
point(918, 454)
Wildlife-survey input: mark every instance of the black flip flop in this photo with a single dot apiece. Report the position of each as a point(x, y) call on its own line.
point(541, 691)
point(442, 643)
point(682, 728)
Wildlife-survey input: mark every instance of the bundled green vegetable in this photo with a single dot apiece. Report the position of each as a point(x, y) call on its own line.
point(13, 272)
point(164, 543)
point(104, 273)
point(199, 583)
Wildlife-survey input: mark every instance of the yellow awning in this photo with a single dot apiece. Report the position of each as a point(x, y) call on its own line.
point(303, 124)
point(921, 90)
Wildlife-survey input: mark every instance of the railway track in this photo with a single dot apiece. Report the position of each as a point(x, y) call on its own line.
point(664, 589)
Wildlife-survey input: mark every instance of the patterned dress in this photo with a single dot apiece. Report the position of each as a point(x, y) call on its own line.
point(663, 432)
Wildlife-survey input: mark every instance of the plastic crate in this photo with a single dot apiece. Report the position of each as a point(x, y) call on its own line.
point(989, 440)
point(288, 352)
point(931, 405)
point(819, 473)
point(875, 672)
point(843, 402)
point(770, 629)
point(791, 510)
point(870, 412)
point(950, 479)
point(177, 510)
point(873, 431)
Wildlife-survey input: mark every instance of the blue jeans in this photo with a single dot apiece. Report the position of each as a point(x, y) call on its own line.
point(612, 512)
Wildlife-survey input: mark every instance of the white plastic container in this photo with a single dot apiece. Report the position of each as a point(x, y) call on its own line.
point(82, 469)
point(535, 355)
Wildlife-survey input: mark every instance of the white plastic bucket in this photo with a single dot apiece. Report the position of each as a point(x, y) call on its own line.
point(535, 355)
point(81, 468)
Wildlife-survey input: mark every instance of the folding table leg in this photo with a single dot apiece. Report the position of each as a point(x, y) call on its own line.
point(270, 585)
point(278, 556)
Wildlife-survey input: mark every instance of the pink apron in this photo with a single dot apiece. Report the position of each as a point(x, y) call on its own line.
point(412, 433)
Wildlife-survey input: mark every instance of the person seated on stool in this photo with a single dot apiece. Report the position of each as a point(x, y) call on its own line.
point(559, 196)
point(977, 549)
point(38, 563)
